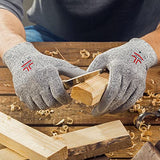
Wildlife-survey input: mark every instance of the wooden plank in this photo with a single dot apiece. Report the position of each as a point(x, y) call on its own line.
point(81, 144)
point(96, 140)
point(7, 154)
point(71, 50)
point(90, 91)
point(29, 142)
point(120, 154)
point(124, 153)
point(147, 152)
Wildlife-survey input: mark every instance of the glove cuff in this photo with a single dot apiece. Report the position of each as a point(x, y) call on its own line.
point(19, 54)
point(145, 50)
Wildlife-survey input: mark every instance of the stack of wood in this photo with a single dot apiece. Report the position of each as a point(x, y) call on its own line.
point(32, 144)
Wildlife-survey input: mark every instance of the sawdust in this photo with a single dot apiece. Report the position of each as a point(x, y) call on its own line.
point(45, 113)
point(15, 107)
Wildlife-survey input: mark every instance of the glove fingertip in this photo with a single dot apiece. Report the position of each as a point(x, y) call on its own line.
point(95, 112)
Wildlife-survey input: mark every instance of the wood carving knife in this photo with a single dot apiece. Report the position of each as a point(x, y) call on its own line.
point(79, 79)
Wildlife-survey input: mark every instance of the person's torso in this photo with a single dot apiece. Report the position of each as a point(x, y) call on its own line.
point(96, 20)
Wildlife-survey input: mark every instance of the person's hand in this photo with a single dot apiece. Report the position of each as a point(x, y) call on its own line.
point(127, 65)
point(36, 76)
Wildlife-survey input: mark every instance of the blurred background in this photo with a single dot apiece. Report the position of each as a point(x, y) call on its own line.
point(26, 5)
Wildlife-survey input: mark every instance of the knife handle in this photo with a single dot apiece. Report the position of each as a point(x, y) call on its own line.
point(90, 91)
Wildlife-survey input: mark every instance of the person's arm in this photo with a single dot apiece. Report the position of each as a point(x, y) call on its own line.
point(127, 65)
point(153, 39)
point(35, 76)
point(11, 31)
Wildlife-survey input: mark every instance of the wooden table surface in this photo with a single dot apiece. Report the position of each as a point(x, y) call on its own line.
point(79, 113)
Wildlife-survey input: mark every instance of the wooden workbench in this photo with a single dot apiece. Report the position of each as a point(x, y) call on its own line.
point(79, 113)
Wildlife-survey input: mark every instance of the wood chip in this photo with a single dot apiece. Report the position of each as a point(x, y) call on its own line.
point(64, 129)
point(69, 120)
point(132, 135)
point(152, 81)
point(130, 153)
point(6, 85)
point(145, 139)
point(84, 53)
point(44, 113)
point(15, 107)
point(60, 122)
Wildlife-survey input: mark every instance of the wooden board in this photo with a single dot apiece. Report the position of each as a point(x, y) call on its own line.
point(29, 142)
point(91, 141)
point(120, 154)
point(7, 154)
point(96, 140)
point(124, 153)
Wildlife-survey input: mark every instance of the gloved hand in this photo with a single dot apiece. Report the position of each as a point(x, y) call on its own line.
point(36, 76)
point(127, 65)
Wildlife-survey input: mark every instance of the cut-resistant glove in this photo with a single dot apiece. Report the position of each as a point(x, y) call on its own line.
point(36, 76)
point(127, 65)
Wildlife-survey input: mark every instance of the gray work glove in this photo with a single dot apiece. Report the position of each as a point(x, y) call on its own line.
point(36, 76)
point(127, 65)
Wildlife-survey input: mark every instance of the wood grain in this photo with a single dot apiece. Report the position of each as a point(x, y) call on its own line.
point(124, 153)
point(91, 90)
point(29, 142)
point(81, 144)
point(7, 154)
point(96, 140)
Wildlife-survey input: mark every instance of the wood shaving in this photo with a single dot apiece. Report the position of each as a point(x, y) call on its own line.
point(53, 53)
point(132, 135)
point(84, 53)
point(152, 81)
point(64, 129)
point(95, 54)
point(60, 122)
point(15, 107)
point(139, 100)
point(145, 139)
point(45, 113)
point(146, 133)
point(54, 132)
point(51, 111)
point(130, 153)
point(69, 120)
point(133, 145)
point(134, 120)
point(6, 85)
point(58, 52)
point(137, 108)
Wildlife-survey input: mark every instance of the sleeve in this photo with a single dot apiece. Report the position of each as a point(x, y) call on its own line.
point(14, 6)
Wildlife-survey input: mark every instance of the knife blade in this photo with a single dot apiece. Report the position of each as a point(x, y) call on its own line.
point(79, 79)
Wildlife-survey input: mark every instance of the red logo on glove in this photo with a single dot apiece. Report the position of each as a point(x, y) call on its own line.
point(137, 58)
point(27, 65)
